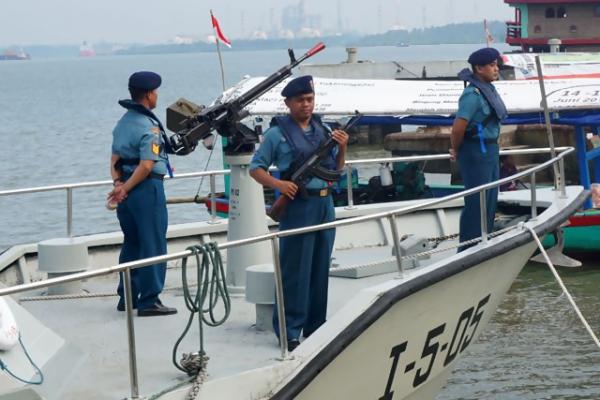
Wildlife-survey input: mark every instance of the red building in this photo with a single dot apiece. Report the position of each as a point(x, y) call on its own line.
point(576, 23)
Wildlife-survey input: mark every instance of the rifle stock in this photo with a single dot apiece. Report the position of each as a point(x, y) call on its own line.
point(279, 208)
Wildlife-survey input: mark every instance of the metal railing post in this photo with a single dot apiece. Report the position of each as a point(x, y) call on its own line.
point(133, 374)
point(70, 212)
point(483, 213)
point(547, 119)
point(279, 298)
point(563, 178)
point(396, 238)
point(213, 203)
point(350, 205)
point(533, 197)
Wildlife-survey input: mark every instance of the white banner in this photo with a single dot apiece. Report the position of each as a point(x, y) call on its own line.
point(555, 66)
point(400, 98)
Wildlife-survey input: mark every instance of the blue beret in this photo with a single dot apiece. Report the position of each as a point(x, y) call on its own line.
point(298, 86)
point(484, 56)
point(144, 80)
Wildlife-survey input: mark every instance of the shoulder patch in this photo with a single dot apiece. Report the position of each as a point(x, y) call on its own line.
point(155, 148)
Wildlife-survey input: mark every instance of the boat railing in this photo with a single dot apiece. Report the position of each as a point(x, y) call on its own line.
point(354, 163)
point(391, 216)
point(69, 188)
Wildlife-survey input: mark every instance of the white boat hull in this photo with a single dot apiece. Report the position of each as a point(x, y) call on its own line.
point(408, 352)
point(392, 338)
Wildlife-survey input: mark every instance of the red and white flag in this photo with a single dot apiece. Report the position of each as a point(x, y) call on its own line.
point(218, 31)
point(489, 38)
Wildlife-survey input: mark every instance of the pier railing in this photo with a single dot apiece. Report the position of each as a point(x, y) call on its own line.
point(391, 216)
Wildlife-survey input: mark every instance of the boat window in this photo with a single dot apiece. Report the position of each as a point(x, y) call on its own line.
point(550, 12)
point(597, 11)
point(537, 29)
point(561, 13)
point(573, 29)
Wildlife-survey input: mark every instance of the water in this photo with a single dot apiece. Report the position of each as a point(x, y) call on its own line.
point(535, 347)
point(57, 117)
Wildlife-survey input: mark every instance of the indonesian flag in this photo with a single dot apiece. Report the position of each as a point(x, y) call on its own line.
point(489, 38)
point(220, 35)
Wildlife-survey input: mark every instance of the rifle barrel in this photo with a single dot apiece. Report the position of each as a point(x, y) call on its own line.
point(274, 79)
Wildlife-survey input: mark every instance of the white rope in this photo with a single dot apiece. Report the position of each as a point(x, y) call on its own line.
point(564, 288)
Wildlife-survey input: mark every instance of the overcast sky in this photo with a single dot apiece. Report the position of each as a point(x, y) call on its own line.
point(24, 22)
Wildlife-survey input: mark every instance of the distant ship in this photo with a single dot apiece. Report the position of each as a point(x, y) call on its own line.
point(11, 54)
point(86, 50)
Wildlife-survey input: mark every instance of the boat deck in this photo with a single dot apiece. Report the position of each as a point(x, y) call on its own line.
point(97, 334)
point(96, 354)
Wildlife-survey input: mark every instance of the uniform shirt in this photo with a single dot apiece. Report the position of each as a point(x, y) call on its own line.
point(138, 136)
point(474, 108)
point(275, 150)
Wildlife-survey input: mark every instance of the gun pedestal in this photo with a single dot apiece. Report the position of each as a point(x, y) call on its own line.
point(246, 219)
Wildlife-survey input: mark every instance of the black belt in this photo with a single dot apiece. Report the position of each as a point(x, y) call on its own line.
point(477, 139)
point(318, 192)
point(151, 175)
point(154, 175)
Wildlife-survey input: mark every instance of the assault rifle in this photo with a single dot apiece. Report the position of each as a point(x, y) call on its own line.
point(311, 168)
point(192, 123)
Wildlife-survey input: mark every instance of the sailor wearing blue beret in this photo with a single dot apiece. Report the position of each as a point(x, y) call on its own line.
point(474, 138)
point(138, 165)
point(145, 80)
point(305, 259)
point(299, 86)
point(484, 56)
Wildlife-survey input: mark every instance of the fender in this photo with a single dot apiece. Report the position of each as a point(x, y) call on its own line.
point(9, 332)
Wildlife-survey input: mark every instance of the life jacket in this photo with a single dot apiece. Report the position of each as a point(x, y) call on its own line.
point(494, 101)
point(303, 145)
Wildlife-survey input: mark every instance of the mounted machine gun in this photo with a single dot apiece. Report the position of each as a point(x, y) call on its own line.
point(192, 123)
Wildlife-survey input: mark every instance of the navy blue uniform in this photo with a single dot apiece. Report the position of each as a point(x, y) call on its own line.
point(143, 214)
point(478, 160)
point(305, 259)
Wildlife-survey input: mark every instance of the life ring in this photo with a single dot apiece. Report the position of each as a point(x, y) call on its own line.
point(9, 332)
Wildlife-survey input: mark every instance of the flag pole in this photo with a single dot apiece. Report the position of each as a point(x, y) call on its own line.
point(486, 32)
point(218, 52)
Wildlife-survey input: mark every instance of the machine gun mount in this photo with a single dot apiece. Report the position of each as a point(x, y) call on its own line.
point(193, 123)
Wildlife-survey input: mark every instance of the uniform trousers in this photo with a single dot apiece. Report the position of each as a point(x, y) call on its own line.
point(477, 169)
point(143, 219)
point(305, 261)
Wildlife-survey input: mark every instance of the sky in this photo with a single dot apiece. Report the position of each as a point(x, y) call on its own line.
point(26, 22)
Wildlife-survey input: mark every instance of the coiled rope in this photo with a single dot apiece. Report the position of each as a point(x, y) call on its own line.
point(210, 291)
point(38, 371)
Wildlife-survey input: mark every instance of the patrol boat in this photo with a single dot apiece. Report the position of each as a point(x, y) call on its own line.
point(403, 304)
point(403, 307)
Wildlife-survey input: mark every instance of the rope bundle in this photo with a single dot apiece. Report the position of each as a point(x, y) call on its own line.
point(211, 290)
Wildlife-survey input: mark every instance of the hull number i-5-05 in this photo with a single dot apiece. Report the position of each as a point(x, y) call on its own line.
point(464, 331)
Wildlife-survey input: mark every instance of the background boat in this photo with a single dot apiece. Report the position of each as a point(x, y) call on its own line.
point(86, 50)
point(12, 54)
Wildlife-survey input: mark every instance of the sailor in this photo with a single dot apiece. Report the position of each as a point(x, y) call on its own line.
point(305, 259)
point(138, 165)
point(474, 138)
